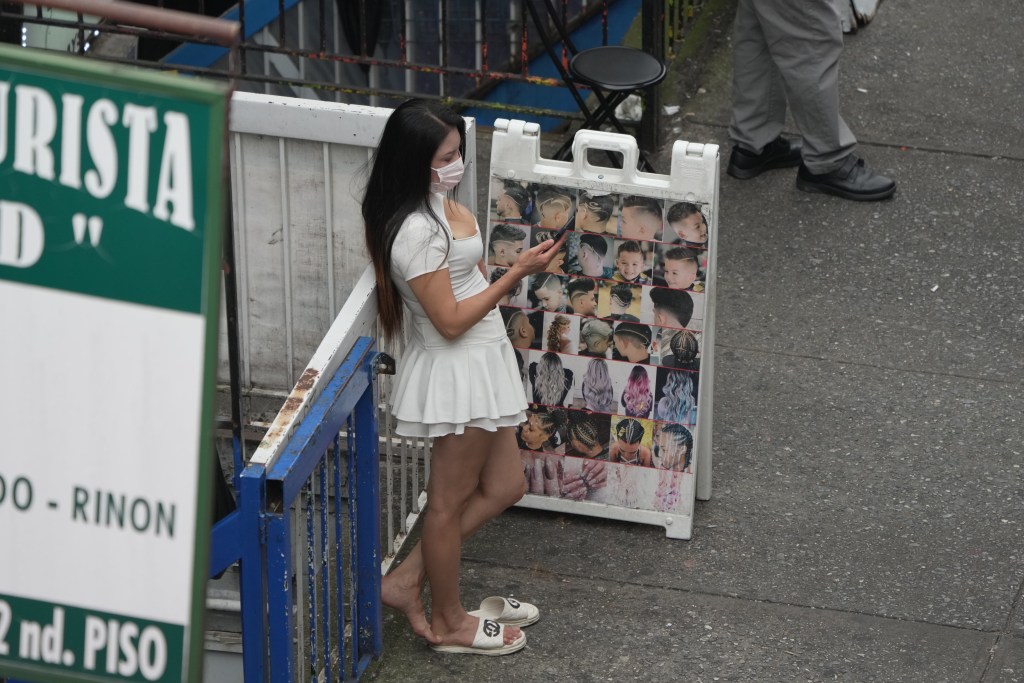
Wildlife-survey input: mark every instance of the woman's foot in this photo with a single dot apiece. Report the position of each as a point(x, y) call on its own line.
point(465, 631)
point(406, 599)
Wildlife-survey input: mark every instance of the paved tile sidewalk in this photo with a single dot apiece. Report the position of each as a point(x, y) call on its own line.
point(868, 511)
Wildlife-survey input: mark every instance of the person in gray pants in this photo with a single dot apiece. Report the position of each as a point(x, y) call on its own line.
point(788, 52)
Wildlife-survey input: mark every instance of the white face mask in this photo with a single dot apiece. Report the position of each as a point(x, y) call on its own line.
point(448, 176)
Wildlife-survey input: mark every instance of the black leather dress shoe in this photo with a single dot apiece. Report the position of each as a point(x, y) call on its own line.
point(779, 153)
point(853, 180)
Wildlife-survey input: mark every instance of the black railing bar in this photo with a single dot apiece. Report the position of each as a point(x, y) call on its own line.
point(292, 52)
point(335, 42)
point(390, 63)
point(333, 87)
point(443, 57)
point(403, 39)
point(81, 34)
point(323, 28)
point(363, 21)
point(300, 32)
point(604, 22)
point(282, 39)
point(411, 66)
point(242, 66)
point(524, 39)
point(481, 24)
point(567, 42)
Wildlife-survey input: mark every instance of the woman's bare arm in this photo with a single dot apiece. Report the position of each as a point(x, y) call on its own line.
point(453, 318)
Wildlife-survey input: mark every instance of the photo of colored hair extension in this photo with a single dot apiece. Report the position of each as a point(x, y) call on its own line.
point(597, 387)
point(551, 380)
point(637, 398)
point(677, 403)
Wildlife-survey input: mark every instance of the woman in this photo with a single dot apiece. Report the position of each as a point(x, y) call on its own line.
point(428, 257)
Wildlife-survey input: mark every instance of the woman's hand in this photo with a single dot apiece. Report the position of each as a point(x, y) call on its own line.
point(538, 258)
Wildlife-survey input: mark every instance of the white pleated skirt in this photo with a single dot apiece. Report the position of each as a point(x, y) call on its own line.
point(441, 387)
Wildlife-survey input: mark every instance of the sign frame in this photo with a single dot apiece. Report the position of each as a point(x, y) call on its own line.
point(209, 102)
point(516, 160)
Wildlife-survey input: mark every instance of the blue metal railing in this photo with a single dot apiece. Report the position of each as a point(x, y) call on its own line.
point(307, 533)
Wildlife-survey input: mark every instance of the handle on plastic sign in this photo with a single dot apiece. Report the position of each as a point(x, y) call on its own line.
point(625, 145)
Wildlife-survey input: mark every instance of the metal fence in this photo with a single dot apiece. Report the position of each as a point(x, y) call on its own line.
point(307, 535)
point(372, 52)
point(322, 551)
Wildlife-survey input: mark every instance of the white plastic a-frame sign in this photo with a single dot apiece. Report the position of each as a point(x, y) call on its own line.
point(616, 340)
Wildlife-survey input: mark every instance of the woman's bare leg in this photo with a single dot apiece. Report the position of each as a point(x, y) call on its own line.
point(500, 484)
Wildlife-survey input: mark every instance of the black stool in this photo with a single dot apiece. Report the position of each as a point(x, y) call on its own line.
point(612, 72)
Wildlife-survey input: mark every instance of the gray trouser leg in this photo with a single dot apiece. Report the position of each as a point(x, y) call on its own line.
point(758, 97)
point(804, 39)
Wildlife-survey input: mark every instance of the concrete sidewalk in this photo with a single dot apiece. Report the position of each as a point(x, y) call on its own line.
point(868, 510)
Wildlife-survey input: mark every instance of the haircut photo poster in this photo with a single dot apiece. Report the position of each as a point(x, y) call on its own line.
point(608, 339)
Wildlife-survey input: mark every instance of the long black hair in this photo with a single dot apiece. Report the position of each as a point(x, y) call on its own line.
point(399, 185)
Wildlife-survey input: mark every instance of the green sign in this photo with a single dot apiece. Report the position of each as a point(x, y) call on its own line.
point(110, 212)
point(110, 166)
point(90, 643)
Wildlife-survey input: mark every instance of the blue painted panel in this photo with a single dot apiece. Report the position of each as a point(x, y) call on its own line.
point(258, 13)
point(225, 543)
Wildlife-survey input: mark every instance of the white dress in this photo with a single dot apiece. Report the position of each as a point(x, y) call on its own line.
point(442, 387)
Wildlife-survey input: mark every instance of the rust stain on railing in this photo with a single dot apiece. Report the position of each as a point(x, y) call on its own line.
point(289, 412)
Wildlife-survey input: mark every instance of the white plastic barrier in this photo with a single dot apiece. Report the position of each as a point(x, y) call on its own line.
point(297, 172)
